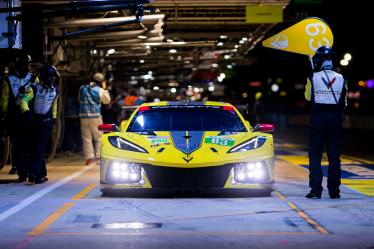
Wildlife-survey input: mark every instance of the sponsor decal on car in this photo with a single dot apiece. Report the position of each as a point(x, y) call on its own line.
point(220, 141)
point(158, 140)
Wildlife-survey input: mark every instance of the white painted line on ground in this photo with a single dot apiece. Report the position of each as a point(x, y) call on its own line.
point(40, 194)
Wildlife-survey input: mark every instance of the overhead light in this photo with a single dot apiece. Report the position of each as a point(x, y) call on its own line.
point(241, 42)
point(147, 47)
point(222, 75)
point(147, 77)
point(173, 84)
point(94, 51)
point(220, 79)
point(234, 50)
point(187, 62)
point(227, 56)
point(274, 88)
point(347, 57)
point(223, 36)
point(150, 72)
point(220, 44)
point(211, 88)
point(236, 46)
point(172, 51)
point(111, 51)
point(196, 90)
point(344, 63)
point(229, 66)
point(143, 37)
point(214, 65)
point(173, 90)
point(169, 40)
point(245, 39)
point(141, 61)
point(156, 88)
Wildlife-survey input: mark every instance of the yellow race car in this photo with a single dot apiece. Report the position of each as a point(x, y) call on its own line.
point(186, 146)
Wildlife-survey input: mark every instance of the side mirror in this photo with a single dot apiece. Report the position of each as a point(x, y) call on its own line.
point(264, 128)
point(108, 128)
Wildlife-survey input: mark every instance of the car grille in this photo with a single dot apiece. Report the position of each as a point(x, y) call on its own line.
point(171, 177)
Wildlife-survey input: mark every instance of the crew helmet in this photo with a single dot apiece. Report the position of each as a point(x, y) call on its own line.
point(22, 62)
point(48, 74)
point(323, 54)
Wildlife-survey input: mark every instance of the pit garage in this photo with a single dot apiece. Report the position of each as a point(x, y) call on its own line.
point(204, 142)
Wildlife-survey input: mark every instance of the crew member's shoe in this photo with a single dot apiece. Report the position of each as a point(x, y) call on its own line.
point(21, 179)
point(313, 195)
point(334, 195)
point(41, 180)
point(31, 181)
point(13, 171)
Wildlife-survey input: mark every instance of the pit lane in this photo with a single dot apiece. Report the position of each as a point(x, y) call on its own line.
point(69, 212)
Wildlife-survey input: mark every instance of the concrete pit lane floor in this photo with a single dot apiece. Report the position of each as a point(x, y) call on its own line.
point(68, 212)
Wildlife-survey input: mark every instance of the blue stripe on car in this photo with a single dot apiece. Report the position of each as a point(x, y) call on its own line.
point(180, 142)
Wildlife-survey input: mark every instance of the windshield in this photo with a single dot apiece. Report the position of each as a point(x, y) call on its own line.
point(186, 118)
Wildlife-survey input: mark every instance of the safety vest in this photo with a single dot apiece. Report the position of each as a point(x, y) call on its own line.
point(14, 83)
point(328, 90)
point(89, 105)
point(43, 100)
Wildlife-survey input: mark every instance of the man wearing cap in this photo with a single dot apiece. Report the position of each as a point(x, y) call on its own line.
point(91, 96)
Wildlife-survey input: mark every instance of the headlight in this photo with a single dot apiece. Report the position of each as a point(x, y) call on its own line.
point(250, 172)
point(123, 144)
point(123, 172)
point(251, 144)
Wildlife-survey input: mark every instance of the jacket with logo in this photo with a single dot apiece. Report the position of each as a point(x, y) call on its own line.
point(326, 90)
point(41, 101)
point(10, 93)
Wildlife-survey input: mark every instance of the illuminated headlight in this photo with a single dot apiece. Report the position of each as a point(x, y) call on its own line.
point(123, 144)
point(250, 172)
point(122, 172)
point(251, 144)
